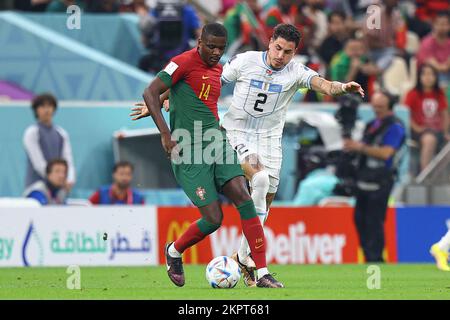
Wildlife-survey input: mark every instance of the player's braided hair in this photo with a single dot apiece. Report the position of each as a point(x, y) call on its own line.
point(287, 32)
point(214, 29)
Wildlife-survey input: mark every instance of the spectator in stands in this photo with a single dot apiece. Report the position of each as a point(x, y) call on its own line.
point(102, 6)
point(169, 29)
point(352, 64)
point(355, 9)
point(245, 27)
point(52, 189)
point(435, 48)
point(382, 41)
point(45, 141)
point(334, 42)
point(120, 192)
point(134, 6)
point(429, 114)
point(415, 24)
point(31, 5)
point(376, 173)
point(227, 5)
point(427, 10)
point(62, 5)
point(290, 11)
point(314, 11)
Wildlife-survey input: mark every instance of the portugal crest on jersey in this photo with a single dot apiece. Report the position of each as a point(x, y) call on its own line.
point(201, 193)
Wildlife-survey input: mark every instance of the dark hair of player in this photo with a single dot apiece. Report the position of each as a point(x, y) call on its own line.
point(55, 162)
point(43, 99)
point(288, 32)
point(121, 164)
point(419, 85)
point(214, 29)
point(337, 13)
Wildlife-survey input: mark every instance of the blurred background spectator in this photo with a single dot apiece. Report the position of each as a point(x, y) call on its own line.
point(245, 26)
point(426, 10)
point(62, 5)
point(429, 114)
point(167, 30)
point(289, 11)
point(31, 5)
point(133, 6)
point(435, 48)
point(102, 6)
point(44, 141)
point(120, 191)
point(352, 64)
point(313, 9)
point(383, 41)
point(51, 190)
point(335, 39)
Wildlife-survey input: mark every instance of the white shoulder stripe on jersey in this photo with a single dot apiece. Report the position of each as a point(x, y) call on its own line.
point(309, 79)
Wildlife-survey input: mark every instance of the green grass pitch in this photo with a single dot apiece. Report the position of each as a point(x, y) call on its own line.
point(413, 281)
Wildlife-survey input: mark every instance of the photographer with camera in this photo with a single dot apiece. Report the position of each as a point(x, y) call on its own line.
point(376, 173)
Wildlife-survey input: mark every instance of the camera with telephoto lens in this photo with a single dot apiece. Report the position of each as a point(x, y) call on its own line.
point(346, 162)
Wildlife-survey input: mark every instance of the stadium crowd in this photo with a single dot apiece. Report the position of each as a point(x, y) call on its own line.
point(376, 43)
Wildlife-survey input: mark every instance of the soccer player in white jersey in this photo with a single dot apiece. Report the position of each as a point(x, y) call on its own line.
point(440, 252)
point(265, 84)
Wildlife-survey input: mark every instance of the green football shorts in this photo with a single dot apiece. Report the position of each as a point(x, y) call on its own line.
point(203, 181)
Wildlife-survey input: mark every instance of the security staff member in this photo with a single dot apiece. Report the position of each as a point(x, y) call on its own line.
point(378, 159)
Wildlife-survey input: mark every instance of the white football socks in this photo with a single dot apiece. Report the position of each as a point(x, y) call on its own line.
point(262, 272)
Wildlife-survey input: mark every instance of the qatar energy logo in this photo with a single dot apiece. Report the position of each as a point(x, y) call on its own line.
point(32, 249)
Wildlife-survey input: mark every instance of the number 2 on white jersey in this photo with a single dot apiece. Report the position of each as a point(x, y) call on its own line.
point(262, 98)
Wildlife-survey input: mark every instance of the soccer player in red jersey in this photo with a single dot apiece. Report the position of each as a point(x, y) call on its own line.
point(193, 78)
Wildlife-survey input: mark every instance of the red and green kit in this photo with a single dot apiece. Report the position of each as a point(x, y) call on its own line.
point(194, 92)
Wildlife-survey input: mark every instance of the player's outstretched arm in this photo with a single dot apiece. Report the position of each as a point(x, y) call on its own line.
point(335, 88)
point(152, 100)
point(141, 110)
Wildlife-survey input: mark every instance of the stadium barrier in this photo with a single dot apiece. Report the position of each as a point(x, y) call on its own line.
point(294, 235)
point(84, 236)
point(135, 235)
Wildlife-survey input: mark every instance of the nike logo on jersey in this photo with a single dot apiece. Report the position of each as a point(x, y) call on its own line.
point(204, 78)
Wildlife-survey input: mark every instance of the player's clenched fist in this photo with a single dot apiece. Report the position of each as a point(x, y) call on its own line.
point(169, 145)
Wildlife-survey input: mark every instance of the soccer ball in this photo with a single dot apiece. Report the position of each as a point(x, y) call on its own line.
point(223, 272)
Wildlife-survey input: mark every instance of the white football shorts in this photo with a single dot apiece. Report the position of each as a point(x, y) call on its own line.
point(268, 150)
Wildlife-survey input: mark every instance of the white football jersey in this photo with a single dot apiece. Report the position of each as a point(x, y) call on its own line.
point(261, 94)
